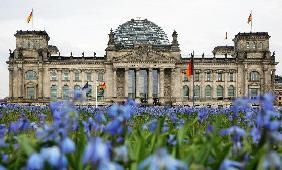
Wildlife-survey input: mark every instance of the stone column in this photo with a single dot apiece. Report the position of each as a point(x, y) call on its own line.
point(226, 73)
point(15, 82)
point(150, 86)
point(94, 85)
point(137, 83)
point(114, 82)
point(214, 84)
point(178, 85)
point(161, 85)
point(11, 83)
point(126, 83)
point(172, 85)
point(21, 92)
point(71, 81)
point(60, 86)
point(202, 86)
point(40, 83)
point(46, 81)
point(245, 81)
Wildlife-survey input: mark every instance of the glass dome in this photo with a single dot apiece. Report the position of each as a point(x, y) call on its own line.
point(140, 31)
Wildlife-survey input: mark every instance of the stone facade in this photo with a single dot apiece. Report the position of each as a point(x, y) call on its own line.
point(147, 72)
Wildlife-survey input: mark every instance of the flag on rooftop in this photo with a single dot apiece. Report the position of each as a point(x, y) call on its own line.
point(29, 18)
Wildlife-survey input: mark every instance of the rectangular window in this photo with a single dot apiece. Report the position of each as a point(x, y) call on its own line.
point(209, 76)
point(88, 76)
point(254, 45)
point(30, 93)
point(231, 76)
point(76, 76)
point(253, 93)
point(197, 77)
point(100, 76)
point(66, 76)
point(248, 45)
point(219, 77)
point(53, 75)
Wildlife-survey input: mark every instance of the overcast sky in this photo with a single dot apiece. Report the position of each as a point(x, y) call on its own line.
point(83, 25)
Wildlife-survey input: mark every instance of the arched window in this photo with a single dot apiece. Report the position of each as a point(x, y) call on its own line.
point(219, 91)
point(53, 75)
point(30, 75)
point(53, 91)
point(208, 92)
point(231, 91)
point(89, 92)
point(65, 92)
point(196, 92)
point(76, 87)
point(254, 76)
point(185, 93)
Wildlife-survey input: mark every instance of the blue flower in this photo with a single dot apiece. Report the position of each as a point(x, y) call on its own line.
point(162, 160)
point(35, 162)
point(96, 152)
point(171, 139)
point(270, 161)
point(230, 165)
point(114, 127)
point(52, 155)
point(121, 153)
point(151, 126)
point(2, 167)
point(67, 146)
point(255, 134)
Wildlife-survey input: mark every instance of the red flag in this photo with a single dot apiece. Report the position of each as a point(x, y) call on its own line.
point(189, 69)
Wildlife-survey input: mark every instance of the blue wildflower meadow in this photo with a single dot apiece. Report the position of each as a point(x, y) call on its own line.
point(63, 136)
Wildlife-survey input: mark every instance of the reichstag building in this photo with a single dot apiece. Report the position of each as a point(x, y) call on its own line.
point(140, 62)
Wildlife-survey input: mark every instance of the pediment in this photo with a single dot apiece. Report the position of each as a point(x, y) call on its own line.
point(144, 55)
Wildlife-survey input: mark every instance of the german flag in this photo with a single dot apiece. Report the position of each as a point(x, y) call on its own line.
point(29, 18)
point(250, 18)
point(102, 86)
point(189, 68)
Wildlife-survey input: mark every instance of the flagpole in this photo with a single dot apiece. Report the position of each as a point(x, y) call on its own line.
point(32, 17)
point(96, 89)
point(252, 21)
point(193, 97)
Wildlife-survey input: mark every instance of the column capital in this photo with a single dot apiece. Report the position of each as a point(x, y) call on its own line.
point(150, 69)
point(126, 68)
point(114, 69)
point(161, 69)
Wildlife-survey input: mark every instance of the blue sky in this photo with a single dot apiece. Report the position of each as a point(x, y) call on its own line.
point(84, 25)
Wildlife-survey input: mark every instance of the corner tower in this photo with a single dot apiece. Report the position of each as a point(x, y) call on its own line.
point(256, 69)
